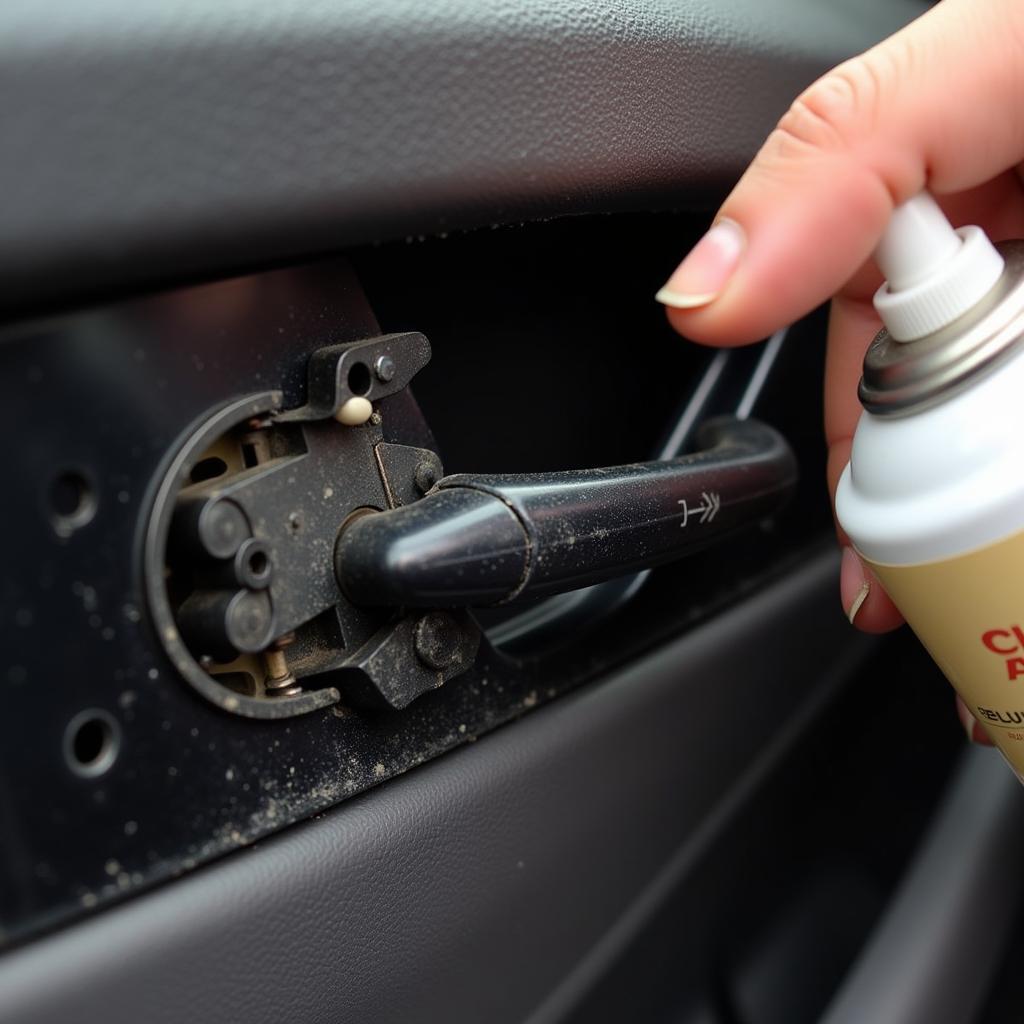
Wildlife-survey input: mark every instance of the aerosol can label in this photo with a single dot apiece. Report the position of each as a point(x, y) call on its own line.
point(968, 611)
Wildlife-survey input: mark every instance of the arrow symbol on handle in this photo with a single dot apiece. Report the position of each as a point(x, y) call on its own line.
point(707, 509)
point(711, 503)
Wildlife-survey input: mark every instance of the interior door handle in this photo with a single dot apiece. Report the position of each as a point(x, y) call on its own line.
point(483, 540)
point(312, 548)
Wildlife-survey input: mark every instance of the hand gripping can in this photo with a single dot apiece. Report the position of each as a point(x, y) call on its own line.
point(933, 496)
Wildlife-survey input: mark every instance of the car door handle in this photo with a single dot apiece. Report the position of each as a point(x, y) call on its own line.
point(491, 539)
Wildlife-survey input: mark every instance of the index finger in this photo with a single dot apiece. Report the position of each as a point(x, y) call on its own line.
point(937, 105)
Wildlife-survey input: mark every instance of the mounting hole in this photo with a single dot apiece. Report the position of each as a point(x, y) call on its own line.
point(359, 379)
point(208, 469)
point(72, 502)
point(91, 742)
point(258, 563)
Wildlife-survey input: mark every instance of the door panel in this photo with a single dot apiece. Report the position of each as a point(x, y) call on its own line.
point(684, 801)
point(479, 881)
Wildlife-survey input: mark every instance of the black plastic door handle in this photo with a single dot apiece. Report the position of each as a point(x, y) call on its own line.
point(481, 540)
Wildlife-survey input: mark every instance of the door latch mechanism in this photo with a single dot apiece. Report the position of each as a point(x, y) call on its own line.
point(300, 558)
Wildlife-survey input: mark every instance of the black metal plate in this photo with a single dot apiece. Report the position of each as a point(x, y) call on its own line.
point(109, 395)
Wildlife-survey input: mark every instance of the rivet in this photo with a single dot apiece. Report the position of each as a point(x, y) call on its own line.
point(384, 367)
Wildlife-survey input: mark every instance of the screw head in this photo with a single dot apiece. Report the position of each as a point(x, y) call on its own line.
point(425, 476)
point(436, 638)
point(384, 367)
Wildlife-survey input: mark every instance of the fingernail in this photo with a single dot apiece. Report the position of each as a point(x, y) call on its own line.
point(707, 269)
point(854, 586)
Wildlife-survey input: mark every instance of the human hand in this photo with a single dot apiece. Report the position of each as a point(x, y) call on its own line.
point(937, 106)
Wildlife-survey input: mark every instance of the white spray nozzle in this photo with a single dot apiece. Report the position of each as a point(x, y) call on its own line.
point(934, 273)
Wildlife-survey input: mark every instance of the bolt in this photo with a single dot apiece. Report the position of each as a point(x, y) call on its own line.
point(375, 419)
point(384, 367)
point(425, 476)
point(436, 638)
point(277, 666)
point(280, 680)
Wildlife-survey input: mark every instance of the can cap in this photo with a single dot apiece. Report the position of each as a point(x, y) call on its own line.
point(934, 274)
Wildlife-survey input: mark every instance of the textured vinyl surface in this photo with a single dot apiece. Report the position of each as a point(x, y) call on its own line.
point(145, 140)
point(148, 140)
point(467, 889)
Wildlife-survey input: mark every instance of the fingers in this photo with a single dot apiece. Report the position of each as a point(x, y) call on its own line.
point(852, 324)
point(938, 103)
point(865, 602)
point(972, 727)
point(998, 207)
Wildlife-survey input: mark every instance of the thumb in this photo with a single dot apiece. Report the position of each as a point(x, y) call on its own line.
point(939, 104)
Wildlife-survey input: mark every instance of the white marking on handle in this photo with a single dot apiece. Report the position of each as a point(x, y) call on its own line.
point(707, 509)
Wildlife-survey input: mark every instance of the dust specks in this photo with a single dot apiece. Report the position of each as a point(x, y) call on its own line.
point(86, 594)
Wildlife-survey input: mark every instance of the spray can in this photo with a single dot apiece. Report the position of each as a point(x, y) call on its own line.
point(933, 496)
